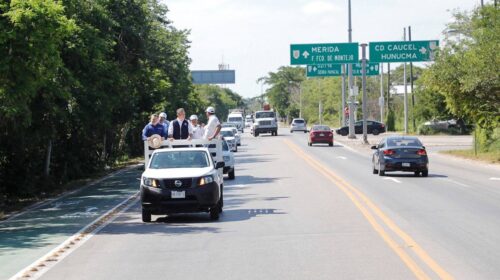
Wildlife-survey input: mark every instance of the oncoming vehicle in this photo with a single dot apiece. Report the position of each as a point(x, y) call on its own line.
point(248, 121)
point(372, 127)
point(320, 134)
point(298, 124)
point(181, 180)
point(228, 134)
point(400, 153)
point(265, 122)
point(237, 118)
point(228, 160)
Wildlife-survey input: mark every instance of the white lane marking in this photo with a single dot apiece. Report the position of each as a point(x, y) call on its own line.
point(495, 179)
point(341, 157)
point(392, 179)
point(456, 182)
point(49, 260)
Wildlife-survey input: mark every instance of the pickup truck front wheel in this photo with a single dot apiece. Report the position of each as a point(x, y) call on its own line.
point(146, 215)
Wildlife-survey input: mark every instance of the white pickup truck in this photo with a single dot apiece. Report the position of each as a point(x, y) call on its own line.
point(182, 177)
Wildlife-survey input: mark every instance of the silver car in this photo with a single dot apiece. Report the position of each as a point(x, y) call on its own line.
point(298, 124)
point(228, 160)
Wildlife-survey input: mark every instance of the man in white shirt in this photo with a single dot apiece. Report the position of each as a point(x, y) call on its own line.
point(198, 131)
point(213, 126)
point(180, 128)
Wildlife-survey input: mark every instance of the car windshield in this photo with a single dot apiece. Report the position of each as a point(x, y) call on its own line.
point(225, 147)
point(235, 119)
point(227, 133)
point(321, 128)
point(261, 115)
point(403, 142)
point(179, 159)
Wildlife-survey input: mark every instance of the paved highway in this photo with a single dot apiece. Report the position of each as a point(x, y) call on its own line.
point(299, 212)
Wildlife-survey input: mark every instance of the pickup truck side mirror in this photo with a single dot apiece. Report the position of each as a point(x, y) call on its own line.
point(374, 147)
point(220, 164)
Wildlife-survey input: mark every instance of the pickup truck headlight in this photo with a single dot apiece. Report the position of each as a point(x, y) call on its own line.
point(151, 182)
point(206, 180)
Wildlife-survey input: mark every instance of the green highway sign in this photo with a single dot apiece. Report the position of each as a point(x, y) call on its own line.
point(371, 69)
point(403, 51)
point(324, 70)
point(332, 70)
point(311, 54)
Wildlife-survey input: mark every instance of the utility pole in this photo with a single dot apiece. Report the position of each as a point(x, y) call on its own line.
point(343, 97)
point(300, 100)
point(406, 90)
point(363, 83)
point(411, 86)
point(352, 134)
point(388, 86)
point(381, 102)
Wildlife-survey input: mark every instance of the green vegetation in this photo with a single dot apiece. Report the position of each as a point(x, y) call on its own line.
point(490, 156)
point(222, 99)
point(78, 80)
point(464, 80)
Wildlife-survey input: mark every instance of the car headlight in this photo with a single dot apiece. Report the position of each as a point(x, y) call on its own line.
point(150, 182)
point(226, 158)
point(206, 180)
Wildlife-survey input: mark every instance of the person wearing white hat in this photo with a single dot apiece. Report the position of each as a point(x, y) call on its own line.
point(198, 131)
point(164, 122)
point(213, 126)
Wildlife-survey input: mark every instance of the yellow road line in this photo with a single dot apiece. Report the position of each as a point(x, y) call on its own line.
point(360, 201)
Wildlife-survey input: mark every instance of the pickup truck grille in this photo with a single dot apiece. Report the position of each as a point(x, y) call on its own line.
point(170, 183)
point(265, 123)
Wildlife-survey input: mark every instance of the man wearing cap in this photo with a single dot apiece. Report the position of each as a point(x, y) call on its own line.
point(198, 131)
point(164, 122)
point(180, 128)
point(213, 126)
point(152, 128)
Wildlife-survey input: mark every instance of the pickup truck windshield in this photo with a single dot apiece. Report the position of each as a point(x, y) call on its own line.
point(180, 159)
point(235, 119)
point(262, 115)
point(227, 133)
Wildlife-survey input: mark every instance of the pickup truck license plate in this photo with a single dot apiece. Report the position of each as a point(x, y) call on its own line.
point(178, 194)
point(406, 164)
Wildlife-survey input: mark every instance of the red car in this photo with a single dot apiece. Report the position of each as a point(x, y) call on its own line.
point(320, 134)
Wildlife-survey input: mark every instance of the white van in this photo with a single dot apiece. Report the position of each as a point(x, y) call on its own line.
point(237, 118)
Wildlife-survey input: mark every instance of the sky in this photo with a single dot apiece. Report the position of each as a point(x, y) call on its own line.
point(254, 36)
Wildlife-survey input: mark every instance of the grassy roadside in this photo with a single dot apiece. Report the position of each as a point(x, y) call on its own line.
point(489, 157)
point(15, 204)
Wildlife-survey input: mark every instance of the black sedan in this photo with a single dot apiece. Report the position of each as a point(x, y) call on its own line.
point(373, 127)
point(400, 153)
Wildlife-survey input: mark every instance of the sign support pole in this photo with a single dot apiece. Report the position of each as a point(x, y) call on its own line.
point(406, 91)
point(365, 113)
point(343, 96)
point(411, 86)
point(352, 134)
point(382, 101)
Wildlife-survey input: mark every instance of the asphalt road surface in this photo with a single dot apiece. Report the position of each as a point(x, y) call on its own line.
point(299, 212)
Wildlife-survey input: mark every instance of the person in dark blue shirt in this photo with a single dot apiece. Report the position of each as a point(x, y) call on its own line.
point(154, 127)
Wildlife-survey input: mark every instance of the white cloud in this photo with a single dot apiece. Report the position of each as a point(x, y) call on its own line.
point(319, 7)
